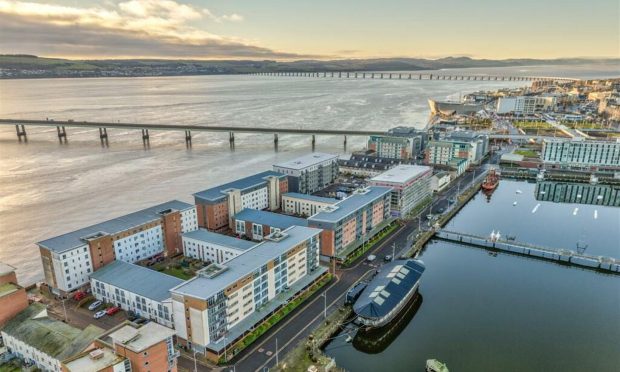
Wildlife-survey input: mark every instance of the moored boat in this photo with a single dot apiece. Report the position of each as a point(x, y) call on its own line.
point(491, 181)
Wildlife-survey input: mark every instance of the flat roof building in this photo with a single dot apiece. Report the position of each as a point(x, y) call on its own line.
point(69, 259)
point(581, 154)
point(208, 246)
point(224, 302)
point(410, 186)
point(218, 205)
point(309, 173)
point(349, 222)
point(258, 224)
point(135, 288)
point(305, 205)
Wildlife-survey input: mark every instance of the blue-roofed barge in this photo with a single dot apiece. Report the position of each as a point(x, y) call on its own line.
point(388, 292)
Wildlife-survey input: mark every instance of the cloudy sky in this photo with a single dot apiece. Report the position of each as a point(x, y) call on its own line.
point(295, 29)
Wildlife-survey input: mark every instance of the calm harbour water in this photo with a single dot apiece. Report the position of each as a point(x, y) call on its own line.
point(509, 313)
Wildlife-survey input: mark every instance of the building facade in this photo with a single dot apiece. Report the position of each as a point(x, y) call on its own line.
point(13, 297)
point(399, 143)
point(525, 105)
point(310, 173)
point(410, 184)
point(69, 259)
point(305, 205)
point(134, 288)
point(349, 222)
point(226, 301)
point(258, 224)
point(581, 153)
point(208, 246)
point(218, 205)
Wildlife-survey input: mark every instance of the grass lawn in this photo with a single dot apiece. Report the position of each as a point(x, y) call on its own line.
point(177, 272)
point(527, 153)
point(532, 125)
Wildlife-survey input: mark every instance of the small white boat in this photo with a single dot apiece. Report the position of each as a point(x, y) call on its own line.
point(348, 339)
point(519, 192)
point(535, 208)
point(595, 214)
point(433, 365)
point(578, 196)
point(575, 211)
point(599, 197)
point(515, 203)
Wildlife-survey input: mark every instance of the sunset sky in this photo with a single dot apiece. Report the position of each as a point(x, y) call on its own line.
point(278, 29)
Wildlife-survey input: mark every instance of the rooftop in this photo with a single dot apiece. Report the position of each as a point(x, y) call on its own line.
point(87, 362)
point(8, 288)
point(280, 221)
point(388, 288)
point(138, 338)
point(203, 287)
point(219, 239)
point(402, 173)
point(78, 238)
point(219, 192)
point(137, 279)
point(6, 269)
point(306, 161)
point(52, 337)
point(351, 204)
point(314, 198)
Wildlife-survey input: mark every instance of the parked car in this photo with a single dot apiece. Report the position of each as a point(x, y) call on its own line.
point(113, 310)
point(79, 295)
point(140, 321)
point(371, 257)
point(94, 305)
point(387, 258)
point(100, 314)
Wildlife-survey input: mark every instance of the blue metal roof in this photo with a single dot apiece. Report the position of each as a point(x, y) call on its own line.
point(280, 221)
point(311, 197)
point(75, 238)
point(217, 193)
point(219, 239)
point(388, 288)
point(351, 204)
point(137, 279)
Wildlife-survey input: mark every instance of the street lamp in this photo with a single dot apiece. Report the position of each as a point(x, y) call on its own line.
point(195, 363)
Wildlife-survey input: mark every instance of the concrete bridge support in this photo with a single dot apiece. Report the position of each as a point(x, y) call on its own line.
point(145, 136)
point(21, 132)
point(188, 138)
point(313, 141)
point(103, 137)
point(62, 133)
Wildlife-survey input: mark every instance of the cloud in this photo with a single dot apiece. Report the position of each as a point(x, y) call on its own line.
point(140, 28)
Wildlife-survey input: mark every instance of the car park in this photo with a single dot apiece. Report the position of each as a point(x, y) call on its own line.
point(113, 310)
point(100, 314)
point(77, 296)
point(94, 305)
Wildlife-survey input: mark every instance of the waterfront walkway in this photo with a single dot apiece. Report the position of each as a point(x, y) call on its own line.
point(566, 256)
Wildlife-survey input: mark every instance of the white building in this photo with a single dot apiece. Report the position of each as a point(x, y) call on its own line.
point(136, 288)
point(525, 105)
point(305, 205)
point(309, 173)
point(410, 186)
point(212, 247)
point(581, 153)
point(225, 301)
point(439, 181)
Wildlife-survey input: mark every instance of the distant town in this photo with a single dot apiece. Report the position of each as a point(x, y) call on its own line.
point(185, 284)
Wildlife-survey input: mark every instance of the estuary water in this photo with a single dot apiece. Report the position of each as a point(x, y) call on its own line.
point(483, 312)
point(47, 188)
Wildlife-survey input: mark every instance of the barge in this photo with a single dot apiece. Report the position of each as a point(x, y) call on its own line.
point(389, 291)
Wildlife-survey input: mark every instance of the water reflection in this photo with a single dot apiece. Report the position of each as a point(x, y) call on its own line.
point(374, 341)
point(580, 193)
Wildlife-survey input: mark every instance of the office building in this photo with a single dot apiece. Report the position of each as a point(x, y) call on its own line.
point(224, 302)
point(258, 224)
point(134, 288)
point(525, 105)
point(69, 259)
point(309, 173)
point(208, 246)
point(440, 180)
point(410, 184)
point(218, 205)
point(13, 297)
point(581, 153)
point(45, 342)
point(351, 221)
point(305, 205)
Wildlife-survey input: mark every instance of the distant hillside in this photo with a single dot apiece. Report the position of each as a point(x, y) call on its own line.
point(27, 66)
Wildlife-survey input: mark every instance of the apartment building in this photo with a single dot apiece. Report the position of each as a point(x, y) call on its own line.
point(349, 222)
point(309, 173)
point(525, 105)
point(70, 259)
point(45, 342)
point(128, 347)
point(581, 153)
point(135, 288)
point(467, 145)
point(305, 205)
point(398, 143)
point(410, 184)
point(218, 205)
point(258, 224)
point(224, 302)
point(208, 246)
point(13, 297)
